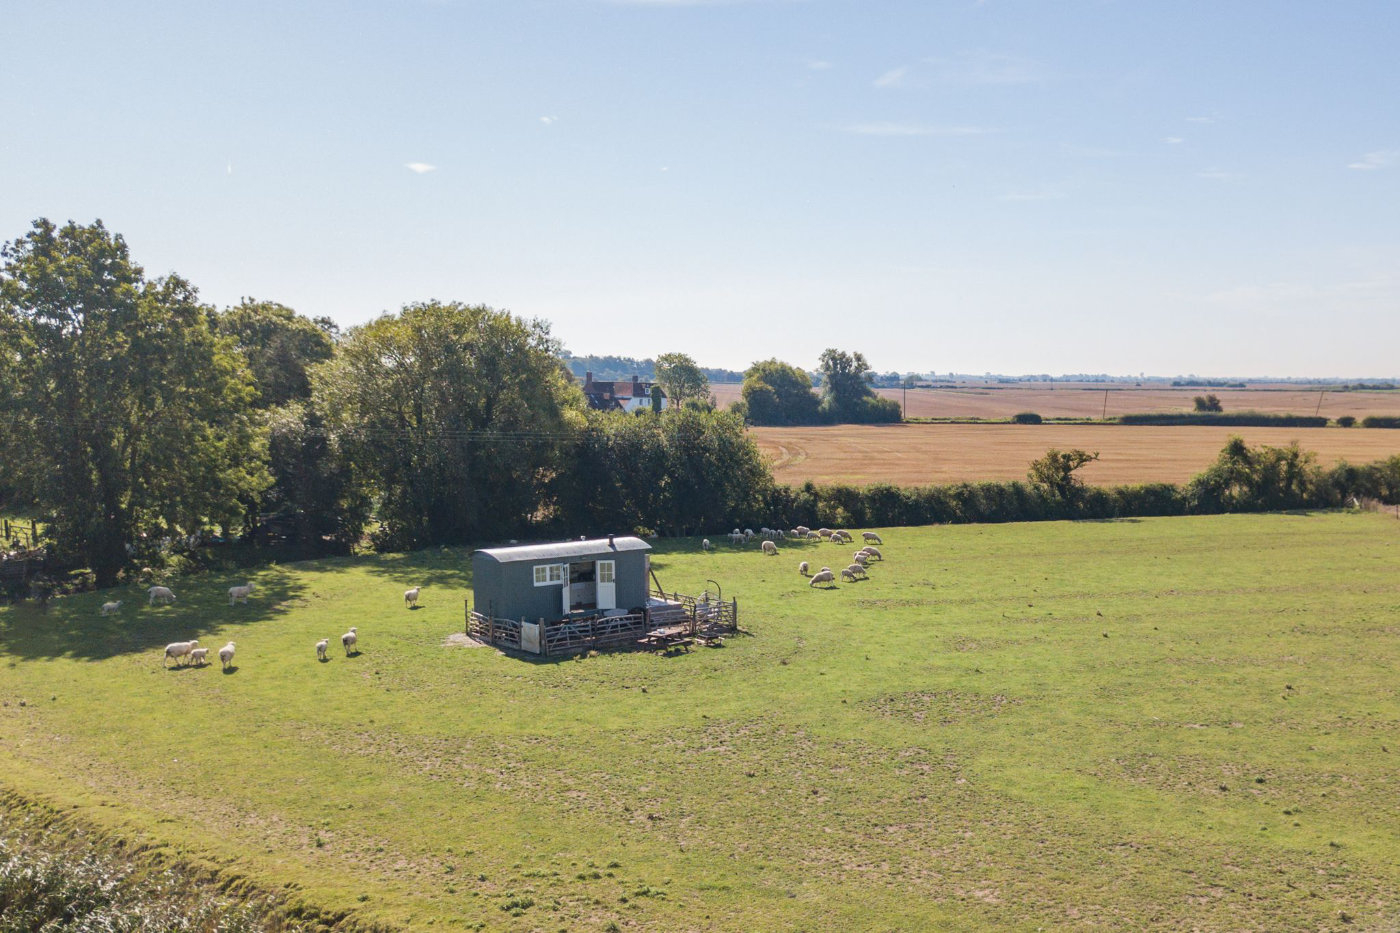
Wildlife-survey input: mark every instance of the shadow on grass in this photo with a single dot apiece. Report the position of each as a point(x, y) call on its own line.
point(231, 669)
point(72, 626)
point(445, 568)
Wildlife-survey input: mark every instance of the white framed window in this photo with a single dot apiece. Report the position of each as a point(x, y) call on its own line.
point(606, 571)
point(546, 574)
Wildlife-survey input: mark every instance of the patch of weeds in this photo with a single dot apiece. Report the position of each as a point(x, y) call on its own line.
point(517, 902)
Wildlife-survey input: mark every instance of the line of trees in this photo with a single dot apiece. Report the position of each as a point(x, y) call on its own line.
point(133, 417)
point(778, 393)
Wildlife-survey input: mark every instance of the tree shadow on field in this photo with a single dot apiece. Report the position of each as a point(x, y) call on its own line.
point(445, 574)
point(73, 626)
point(1109, 521)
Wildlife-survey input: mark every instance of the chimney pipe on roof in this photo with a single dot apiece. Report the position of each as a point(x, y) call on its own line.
point(587, 380)
point(636, 386)
point(610, 543)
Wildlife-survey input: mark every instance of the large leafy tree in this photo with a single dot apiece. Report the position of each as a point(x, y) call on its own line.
point(134, 412)
point(682, 379)
point(457, 416)
point(775, 392)
point(846, 392)
point(280, 347)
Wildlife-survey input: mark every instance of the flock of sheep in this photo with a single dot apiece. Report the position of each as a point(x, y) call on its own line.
point(190, 651)
point(770, 537)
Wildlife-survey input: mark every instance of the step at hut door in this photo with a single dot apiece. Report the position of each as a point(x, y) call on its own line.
point(606, 584)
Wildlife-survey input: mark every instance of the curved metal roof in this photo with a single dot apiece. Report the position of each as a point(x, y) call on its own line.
point(591, 547)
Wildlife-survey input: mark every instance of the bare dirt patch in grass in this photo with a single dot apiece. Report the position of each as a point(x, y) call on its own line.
point(946, 707)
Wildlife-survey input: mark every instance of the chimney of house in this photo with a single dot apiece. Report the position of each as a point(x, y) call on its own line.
point(587, 380)
point(610, 543)
point(636, 386)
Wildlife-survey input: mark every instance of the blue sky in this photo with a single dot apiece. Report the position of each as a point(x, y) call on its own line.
point(1069, 186)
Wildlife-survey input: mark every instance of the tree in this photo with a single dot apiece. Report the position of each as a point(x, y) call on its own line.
point(846, 393)
point(455, 414)
point(135, 413)
point(313, 479)
point(778, 393)
point(681, 378)
point(1054, 473)
point(1208, 403)
point(279, 345)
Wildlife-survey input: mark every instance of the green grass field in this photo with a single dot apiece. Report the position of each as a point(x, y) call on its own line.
point(1169, 723)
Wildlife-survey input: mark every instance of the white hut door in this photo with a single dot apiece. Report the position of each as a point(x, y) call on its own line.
point(606, 584)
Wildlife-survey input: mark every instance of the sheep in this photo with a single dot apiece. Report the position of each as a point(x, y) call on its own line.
point(736, 538)
point(410, 597)
point(199, 656)
point(873, 551)
point(704, 544)
point(802, 568)
point(226, 655)
point(800, 531)
point(748, 534)
point(239, 593)
point(349, 639)
point(109, 608)
point(814, 536)
point(321, 647)
point(857, 571)
point(822, 576)
point(161, 593)
point(860, 557)
point(824, 532)
point(769, 547)
point(180, 649)
point(871, 537)
point(841, 537)
point(847, 574)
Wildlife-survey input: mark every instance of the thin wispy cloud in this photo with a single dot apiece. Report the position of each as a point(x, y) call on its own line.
point(1216, 174)
point(915, 129)
point(1200, 119)
point(818, 65)
point(979, 66)
point(895, 77)
point(1173, 140)
point(549, 120)
point(420, 168)
point(1381, 158)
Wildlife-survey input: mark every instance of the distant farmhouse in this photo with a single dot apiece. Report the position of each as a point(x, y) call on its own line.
point(621, 395)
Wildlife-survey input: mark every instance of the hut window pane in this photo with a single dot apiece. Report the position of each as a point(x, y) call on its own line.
point(545, 574)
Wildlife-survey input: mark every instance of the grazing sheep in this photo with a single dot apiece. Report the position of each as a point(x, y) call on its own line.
point(226, 655)
point(199, 656)
point(161, 593)
point(410, 597)
point(748, 534)
point(857, 571)
point(873, 552)
point(814, 536)
point(841, 537)
point(824, 532)
point(239, 593)
point(860, 557)
point(109, 608)
point(822, 576)
point(704, 544)
point(802, 568)
point(180, 649)
point(769, 547)
point(736, 538)
point(800, 531)
point(321, 647)
point(349, 639)
point(871, 537)
point(847, 574)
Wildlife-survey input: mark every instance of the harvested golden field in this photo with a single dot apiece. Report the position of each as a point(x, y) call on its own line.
point(924, 454)
point(1083, 400)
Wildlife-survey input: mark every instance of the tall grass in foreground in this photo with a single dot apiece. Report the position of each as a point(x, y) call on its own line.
point(63, 883)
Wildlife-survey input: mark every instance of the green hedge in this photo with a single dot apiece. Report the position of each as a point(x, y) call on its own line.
point(1234, 419)
point(1380, 421)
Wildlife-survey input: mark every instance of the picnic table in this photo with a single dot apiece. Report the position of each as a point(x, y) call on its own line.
point(666, 640)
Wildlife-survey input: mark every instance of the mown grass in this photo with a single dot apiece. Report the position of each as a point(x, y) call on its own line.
point(1157, 723)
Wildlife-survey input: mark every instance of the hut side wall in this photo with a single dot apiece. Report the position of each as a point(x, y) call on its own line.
point(507, 590)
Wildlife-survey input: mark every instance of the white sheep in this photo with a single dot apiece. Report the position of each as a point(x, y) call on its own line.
point(704, 544)
point(857, 571)
point(802, 568)
point(860, 557)
point(226, 655)
point(800, 531)
point(410, 597)
point(349, 639)
point(239, 593)
point(841, 537)
point(180, 649)
point(769, 547)
point(847, 574)
point(873, 551)
point(321, 647)
point(109, 608)
point(748, 534)
point(199, 656)
point(822, 576)
point(161, 593)
point(737, 538)
point(824, 532)
point(814, 536)
point(871, 537)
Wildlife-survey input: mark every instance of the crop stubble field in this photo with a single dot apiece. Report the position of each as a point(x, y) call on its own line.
point(924, 454)
point(1165, 723)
